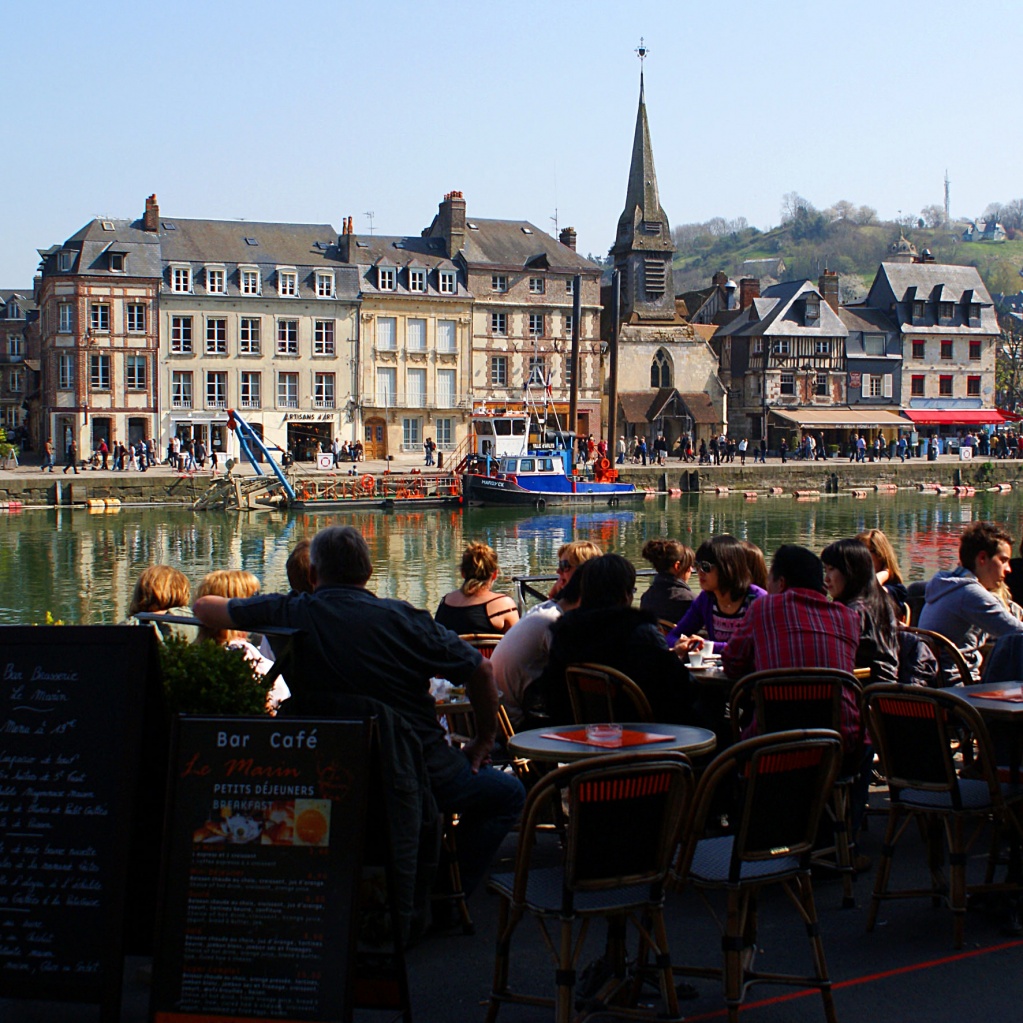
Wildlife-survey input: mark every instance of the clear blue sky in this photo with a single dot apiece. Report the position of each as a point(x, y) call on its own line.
point(313, 111)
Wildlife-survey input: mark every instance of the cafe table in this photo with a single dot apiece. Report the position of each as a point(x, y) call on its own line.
point(543, 744)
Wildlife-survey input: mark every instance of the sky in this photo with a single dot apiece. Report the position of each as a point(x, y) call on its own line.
point(311, 112)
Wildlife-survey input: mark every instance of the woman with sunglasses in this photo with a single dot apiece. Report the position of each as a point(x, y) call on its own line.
point(727, 591)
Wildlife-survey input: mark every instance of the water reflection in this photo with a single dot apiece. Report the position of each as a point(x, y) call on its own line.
point(81, 567)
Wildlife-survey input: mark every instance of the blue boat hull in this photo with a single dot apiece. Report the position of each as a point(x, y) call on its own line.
point(547, 491)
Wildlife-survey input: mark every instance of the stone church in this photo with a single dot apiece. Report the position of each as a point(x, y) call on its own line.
point(668, 371)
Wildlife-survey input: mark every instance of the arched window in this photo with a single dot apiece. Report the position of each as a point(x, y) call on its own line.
point(660, 370)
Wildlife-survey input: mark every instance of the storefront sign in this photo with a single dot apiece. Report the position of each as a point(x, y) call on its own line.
point(855, 379)
point(310, 417)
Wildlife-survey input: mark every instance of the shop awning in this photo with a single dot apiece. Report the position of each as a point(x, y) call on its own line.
point(954, 416)
point(839, 418)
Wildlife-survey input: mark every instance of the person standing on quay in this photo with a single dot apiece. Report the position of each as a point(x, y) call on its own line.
point(71, 457)
point(47, 456)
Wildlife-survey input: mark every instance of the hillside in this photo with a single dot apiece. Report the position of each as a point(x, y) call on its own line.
point(852, 250)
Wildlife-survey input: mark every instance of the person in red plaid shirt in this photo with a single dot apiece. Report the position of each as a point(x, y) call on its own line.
point(796, 626)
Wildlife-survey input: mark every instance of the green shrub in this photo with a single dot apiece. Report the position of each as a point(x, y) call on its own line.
point(206, 678)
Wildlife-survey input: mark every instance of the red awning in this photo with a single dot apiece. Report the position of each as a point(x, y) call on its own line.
point(953, 417)
point(1009, 417)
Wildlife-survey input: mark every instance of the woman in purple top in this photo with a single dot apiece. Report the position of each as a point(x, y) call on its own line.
point(726, 592)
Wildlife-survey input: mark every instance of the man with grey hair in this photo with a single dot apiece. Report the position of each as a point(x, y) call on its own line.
point(357, 643)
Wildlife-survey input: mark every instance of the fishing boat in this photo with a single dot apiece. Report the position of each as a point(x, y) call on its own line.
point(517, 456)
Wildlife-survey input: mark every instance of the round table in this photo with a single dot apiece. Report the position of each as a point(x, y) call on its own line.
point(684, 739)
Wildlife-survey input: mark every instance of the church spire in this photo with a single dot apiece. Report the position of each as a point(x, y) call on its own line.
point(643, 248)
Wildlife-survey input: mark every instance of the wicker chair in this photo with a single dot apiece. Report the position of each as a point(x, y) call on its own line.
point(600, 693)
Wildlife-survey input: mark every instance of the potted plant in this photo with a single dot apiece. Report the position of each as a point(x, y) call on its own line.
point(206, 678)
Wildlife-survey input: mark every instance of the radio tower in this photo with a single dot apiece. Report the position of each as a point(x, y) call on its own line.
point(947, 184)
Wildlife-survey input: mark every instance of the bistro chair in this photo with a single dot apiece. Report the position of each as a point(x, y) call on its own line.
point(484, 642)
point(623, 813)
point(952, 667)
point(665, 626)
point(779, 784)
point(600, 693)
point(781, 699)
point(915, 731)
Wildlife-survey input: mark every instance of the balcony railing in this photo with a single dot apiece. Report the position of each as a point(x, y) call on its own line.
point(420, 401)
point(181, 403)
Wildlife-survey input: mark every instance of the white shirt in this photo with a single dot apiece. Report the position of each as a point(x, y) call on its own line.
point(521, 656)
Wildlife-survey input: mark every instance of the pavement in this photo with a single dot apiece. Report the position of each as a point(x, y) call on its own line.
point(906, 970)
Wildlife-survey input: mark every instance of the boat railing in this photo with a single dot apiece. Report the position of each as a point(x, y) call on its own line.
point(390, 486)
point(526, 595)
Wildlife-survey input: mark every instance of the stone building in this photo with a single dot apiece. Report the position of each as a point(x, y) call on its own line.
point(521, 281)
point(661, 355)
point(19, 362)
point(97, 295)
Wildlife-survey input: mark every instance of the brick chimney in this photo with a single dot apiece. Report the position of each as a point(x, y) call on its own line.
point(450, 222)
point(720, 279)
point(749, 289)
point(151, 218)
point(827, 284)
point(567, 237)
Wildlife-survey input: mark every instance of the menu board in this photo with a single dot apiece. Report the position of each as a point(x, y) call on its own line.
point(262, 853)
point(72, 726)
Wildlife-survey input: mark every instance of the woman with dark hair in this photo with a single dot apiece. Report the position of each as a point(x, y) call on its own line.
point(757, 563)
point(727, 592)
point(850, 578)
point(606, 629)
point(668, 597)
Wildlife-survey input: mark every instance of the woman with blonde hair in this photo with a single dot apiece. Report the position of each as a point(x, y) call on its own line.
point(474, 606)
point(163, 590)
point(886, 564)
point(236, 583)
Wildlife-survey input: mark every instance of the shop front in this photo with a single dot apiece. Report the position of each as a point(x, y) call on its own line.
point(208, 428)
point(309, 433)
point(839, 427)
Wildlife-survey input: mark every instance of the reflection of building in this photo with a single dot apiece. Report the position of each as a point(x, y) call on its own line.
point(667, 368)
point(97, 297)
point(521, 281)
point(413, 368)
point(256, 317)
point(19, 361)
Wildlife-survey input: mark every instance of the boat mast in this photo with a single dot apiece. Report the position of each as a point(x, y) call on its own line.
point(573, 400)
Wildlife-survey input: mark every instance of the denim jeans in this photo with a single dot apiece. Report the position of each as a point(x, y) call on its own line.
point(487, 804)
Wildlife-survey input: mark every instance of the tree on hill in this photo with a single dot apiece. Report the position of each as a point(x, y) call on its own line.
point(1009, 363)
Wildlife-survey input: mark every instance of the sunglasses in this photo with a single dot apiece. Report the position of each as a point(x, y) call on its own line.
point(565, 566)
point(705, 566)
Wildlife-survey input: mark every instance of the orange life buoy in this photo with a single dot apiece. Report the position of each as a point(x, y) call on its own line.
point(368, 483)
point(604, 465)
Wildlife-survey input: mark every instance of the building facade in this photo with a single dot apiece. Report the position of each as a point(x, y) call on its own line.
point(19, 362)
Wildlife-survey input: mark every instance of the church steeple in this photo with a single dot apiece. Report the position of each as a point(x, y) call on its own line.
point(643, 249)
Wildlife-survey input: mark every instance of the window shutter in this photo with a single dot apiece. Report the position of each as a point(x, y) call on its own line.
point(887, 385)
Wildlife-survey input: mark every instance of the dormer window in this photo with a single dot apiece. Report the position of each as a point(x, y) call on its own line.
point(65, 261)
point(812, 311)
point(181, 280)
point(918, 311)
point(13, 310)
point(447, 281)
point(386, 278)
point(116, 262)
point(945, 312)
point(216, 280)
point(974, 314)
point(250, 280)
point(417, 280)
point(287, 282)
point(324, 284)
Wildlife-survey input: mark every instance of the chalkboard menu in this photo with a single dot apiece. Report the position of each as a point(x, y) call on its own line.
point(262, 855)
point(72, 729)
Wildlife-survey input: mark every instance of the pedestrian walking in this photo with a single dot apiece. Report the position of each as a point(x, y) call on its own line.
point(47, 456)
point(71, 457)
point(743, 445)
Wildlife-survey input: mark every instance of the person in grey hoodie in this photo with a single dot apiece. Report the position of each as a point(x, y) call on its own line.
point(961, 605)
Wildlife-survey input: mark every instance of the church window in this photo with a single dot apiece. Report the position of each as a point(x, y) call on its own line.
point(660, 370)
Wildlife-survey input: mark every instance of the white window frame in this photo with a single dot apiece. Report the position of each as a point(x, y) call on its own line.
point(181, 335)
point(787, 384)
point(136, 372)
point(135, 317)
point(822, 346)
point(536, 324)
point(286, 343)
point(181, 389)
point(415, 325)
point(181, 278)
point(447, 281)
point(570, 286)
point(387, 278)
point(447, 395)
point(251, 389)
point(780, 346)
point(250, 343)
point(65, 318)
point(499, 283)
point(250, 280)
point(212, 281)
point(216, 389)
point(216, 335)
point(14, 344)
point(499, 324)
point(568, 324)
point(323, 337)
point(417, 280)
point(286, 384)
point(17, 380)
point(537, 285)
point(444, 429)
point(65, 372)
point(287, 282)
point(324, 390)
point(447, 336)
point(536, 371)
point(116, 262)
point(324, 283)
point(387, 344)
point(66, 260)
point(99, 372)
point(411, 433)
point(99, 317)
point(498, 370)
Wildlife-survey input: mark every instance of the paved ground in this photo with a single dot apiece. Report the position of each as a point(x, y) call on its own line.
point(906, 970)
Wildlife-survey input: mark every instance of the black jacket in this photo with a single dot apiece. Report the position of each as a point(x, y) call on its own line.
point(668, 597)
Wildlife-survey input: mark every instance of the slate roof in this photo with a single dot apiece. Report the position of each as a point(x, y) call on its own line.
point(776, 313)
point(897, 285)
point(428, 254)
point(24, 296)
point(517, 244)
point(95, 241)
point(863, 317)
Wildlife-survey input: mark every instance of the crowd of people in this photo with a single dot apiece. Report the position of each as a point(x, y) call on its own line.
point(843, 608)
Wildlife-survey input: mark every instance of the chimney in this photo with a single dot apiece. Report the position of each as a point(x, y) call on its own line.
point(749, 289)
point(827, 284)
point(450, 223)
point(151, 218)
point(720, 279)
point(567, 237)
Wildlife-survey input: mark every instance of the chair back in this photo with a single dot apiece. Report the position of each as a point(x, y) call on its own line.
point(953, 669)
point(665, 626)
point(484, 642)
point(914, 729)
point(600, 693)
point(624, 813)
point(780, 783)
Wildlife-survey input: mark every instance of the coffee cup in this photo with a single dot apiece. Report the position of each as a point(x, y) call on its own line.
point(696, 658)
